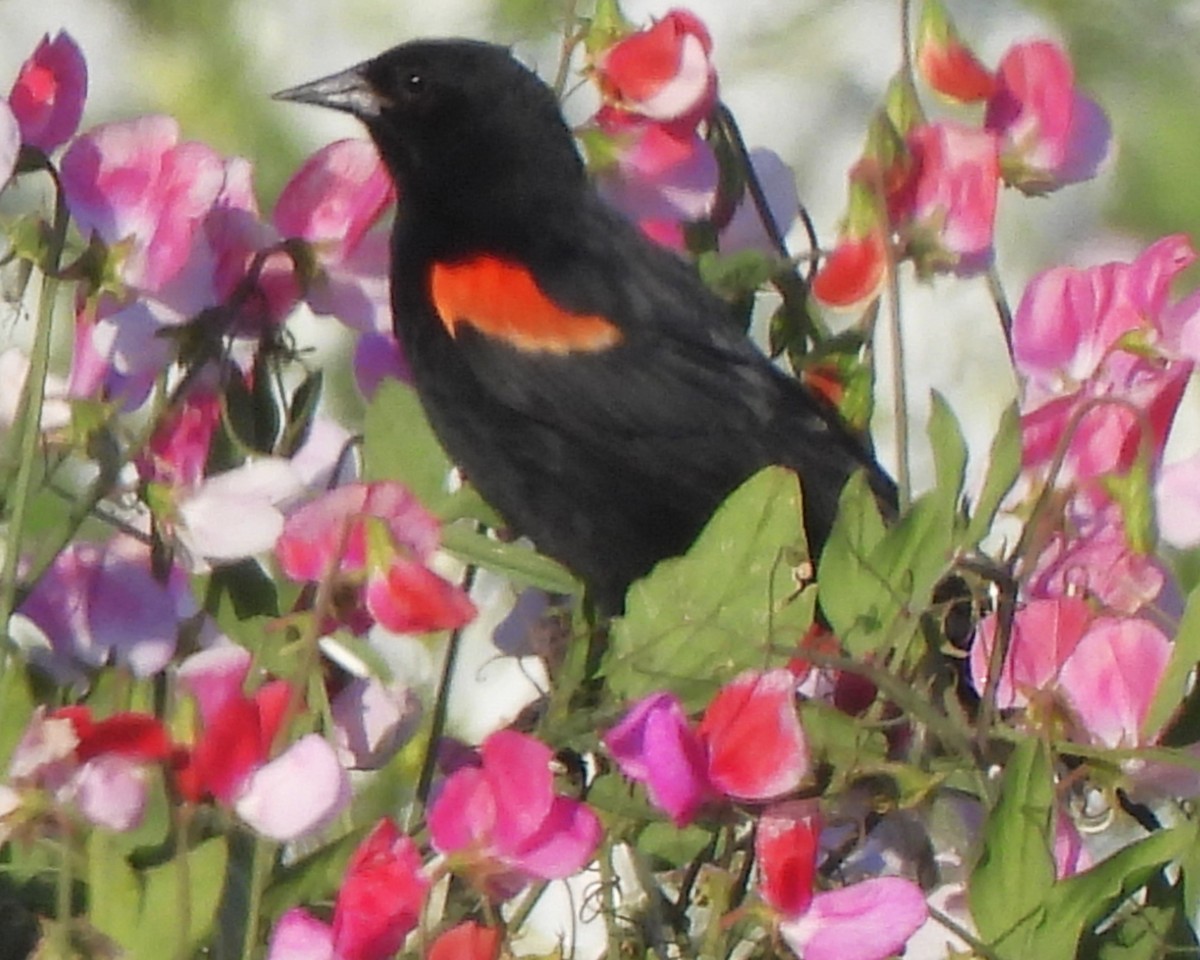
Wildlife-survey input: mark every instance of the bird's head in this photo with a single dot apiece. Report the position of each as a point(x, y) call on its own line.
point(454, 117)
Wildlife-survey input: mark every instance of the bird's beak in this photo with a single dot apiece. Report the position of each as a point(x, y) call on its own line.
point(348, 91)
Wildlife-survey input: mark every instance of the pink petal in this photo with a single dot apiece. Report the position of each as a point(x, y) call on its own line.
point(372, 721)
point(463, 812)
point(1111, 677)
point(110, 791)
point(407, 597)
point(335, 196)
point(756, 748)
point(355, 289)
point(1044, 635)
point(654, 745)
point(853, 274)
point(48, 94)
point(564, 844)
point(297, 793)
point(214, 676)
point(517, 768)
point(1177, 503)
point(300, 936)
point(786, 845)
point(867, 921)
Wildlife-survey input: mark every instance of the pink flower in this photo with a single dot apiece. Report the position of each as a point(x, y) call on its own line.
point(854, 272)
point(748, 747)
point(100, 603)
point(869, 920)
point(378, 904)
point(1053, 135)
point(377, 539)
point(97, 766)
point(945, 62)
point(134, 181)
point(284, 797)
point(1044, 634)
point(659, 176)
point(502, 822)
point(331, 202)
point(466, 941)
point(1177, 503)
point(48, 94)
point(664, 73)
point(950, 213)
point(1110, 679)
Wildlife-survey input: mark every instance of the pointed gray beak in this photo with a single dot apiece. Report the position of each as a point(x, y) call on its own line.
point(348, 91)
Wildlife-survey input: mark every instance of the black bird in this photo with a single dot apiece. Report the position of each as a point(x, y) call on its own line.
point(600, 397)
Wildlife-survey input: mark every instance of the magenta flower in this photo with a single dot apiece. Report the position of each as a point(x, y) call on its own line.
point(97, 766)
point(48, 94)
point(378, 904)
point(870, 920)
point(284, 797)
point(749, 746)
point(502, 823)
point(378, 541)
point(1053, 134)
point(100, 603)
point(663, 73)
point(950, 213)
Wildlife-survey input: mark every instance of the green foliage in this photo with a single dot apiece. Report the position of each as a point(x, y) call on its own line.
point(731, 603)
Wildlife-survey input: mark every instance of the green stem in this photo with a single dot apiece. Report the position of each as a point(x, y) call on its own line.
point(30, 418)
point(899, 392)
point(1003, 310)
point(260, 866)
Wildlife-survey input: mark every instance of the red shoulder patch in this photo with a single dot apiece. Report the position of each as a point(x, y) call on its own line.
point(500, 298)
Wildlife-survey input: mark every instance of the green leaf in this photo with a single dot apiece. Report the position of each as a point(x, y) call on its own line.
point(516, 561)
point(114, 894)
point(1185, 652)
point(725, 606)
point(16, 707)
point(1085, 899)
point(1145, 933)
point(847, 582)
point(160, 927)
point(949, 451)
point(399, 444)
point(302, 408)
point(1004, 466)
point(1008, 888)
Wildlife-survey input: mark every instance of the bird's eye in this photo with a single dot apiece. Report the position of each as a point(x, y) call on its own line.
point(413, 83)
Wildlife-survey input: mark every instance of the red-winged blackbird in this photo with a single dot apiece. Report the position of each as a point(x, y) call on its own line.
point(600, 397)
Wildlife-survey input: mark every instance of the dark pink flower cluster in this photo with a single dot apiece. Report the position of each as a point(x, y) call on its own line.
point(749, 747)
point(927, 190)
point(645, 146)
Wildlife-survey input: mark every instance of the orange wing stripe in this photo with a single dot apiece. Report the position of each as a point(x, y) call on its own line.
point(501, 299)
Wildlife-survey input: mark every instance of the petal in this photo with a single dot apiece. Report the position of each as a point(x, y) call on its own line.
point(1177, 503)
point(297, 793)
point(381, 897)
point(214, 676)
point(467, 941)
point(300, 936)
point(563, 845)
point(756, 748)
point(111, 791)
point(517, 768)
point(48, 94)
point(867, 921)
point(1111, 677)
point(408, 597)
point(463, 812)
point(786, 845)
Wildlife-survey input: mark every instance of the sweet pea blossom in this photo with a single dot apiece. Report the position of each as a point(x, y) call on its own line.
point(502, 823)
point(284, 797)
point(949, 210)
point(659, 176)
point(97, 766)
point(378, 904)
point(945, 62)
point(869, 920)
point(378, 541)
point(749, 746)
point(664, 72)
point(1053, 134)
point(48, 95)
point(100, 603)
point(466, 941)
